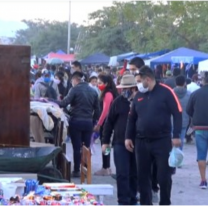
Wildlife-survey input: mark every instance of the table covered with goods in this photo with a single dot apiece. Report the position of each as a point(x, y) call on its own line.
point(16, 191)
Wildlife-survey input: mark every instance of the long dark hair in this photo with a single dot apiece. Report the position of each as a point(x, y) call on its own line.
point(60, 75)
point(111, 87)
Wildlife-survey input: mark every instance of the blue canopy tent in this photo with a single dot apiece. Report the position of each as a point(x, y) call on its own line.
point(121, 57)
point(60, 52)
point(97, 58)
point(179, 55)
point(149, 55)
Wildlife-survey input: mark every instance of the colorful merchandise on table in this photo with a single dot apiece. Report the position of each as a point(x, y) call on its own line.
point(52, 194)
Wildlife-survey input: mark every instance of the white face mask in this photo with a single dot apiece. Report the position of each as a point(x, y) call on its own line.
point(72, 71)
point(141, 88)
point(57, 81)
point(133, 72)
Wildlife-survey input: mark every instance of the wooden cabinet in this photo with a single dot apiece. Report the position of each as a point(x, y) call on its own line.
point(14, 95)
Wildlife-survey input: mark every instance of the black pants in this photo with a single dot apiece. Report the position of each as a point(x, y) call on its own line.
point(106, 158)
point(126, 174)
point(146, 153)
point(80, 133)
point(155, 187)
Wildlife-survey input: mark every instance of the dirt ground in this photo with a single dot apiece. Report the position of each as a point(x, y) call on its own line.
point(185, 190)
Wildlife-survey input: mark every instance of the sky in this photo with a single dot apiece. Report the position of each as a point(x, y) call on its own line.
point(13, 11)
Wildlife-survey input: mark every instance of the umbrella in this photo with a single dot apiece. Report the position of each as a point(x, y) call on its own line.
point(55, 61)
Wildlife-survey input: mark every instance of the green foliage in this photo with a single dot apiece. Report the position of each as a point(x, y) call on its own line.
point(140, 26)
point(45, 36)
point(144, 26)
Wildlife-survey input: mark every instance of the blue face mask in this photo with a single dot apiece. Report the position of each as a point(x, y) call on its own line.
point(47, 79)
point(127, 93)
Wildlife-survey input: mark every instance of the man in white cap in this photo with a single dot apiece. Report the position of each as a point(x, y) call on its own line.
point(125, 162)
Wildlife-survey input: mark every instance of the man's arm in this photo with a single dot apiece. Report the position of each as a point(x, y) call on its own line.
point(37, 93)
point(96, 109)
point(131, 123)
point(55, 86)
point(67, 100)
point(109, 124)
point(176, 110)
point(190, 106)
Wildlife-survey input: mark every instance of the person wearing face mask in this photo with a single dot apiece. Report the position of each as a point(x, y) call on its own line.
point(155, 188)
point(59, 80)
point(135, 64)
point(45, 87)
point(93, 82)
point(125, 162)
point(108, 94)
point(150, 118)
point(84, 112)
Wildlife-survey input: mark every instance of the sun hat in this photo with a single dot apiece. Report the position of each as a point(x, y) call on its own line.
point(127, 81)
point(94, 74)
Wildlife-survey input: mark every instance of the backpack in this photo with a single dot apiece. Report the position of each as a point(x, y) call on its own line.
point(50, 92)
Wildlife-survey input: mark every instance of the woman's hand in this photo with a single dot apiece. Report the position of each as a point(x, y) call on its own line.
point(96, 128)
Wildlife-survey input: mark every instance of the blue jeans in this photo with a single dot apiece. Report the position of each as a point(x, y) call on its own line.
point(201, 137)
point(126, 174)
point(80, 133)
point(182, 137)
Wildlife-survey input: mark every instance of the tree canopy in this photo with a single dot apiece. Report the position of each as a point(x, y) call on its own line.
point(145, 26)
point(140, 26)
point(45, 36)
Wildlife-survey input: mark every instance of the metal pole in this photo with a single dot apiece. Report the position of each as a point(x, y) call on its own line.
point(69, 29)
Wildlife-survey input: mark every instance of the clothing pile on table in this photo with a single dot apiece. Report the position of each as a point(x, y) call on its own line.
point(44, 112)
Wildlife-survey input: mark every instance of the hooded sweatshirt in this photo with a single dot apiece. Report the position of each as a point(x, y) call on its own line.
point(183, 96)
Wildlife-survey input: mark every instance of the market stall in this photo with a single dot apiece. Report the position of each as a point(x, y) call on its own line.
point(17, 191)
point(203, 66)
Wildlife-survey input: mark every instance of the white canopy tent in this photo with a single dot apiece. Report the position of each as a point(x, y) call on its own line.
point(203, 66)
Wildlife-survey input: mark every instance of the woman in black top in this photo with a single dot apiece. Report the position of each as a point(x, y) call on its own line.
point(59, 80)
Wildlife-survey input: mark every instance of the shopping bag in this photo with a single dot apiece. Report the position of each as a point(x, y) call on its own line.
point(176, 157)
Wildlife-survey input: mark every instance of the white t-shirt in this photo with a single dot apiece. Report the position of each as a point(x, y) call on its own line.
point(192, 87)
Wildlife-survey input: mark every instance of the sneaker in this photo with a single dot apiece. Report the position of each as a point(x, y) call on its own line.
point(114, 176)
point(75, 174)
point(103, 172)
point(138, 197)
point(203, 185)
point(155, 197)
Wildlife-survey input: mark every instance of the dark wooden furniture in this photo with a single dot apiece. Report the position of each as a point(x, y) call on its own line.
point(86, 165)
point(63, 161)
point(14, 96)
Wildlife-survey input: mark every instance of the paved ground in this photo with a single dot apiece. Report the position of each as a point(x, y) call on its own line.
point(185, 189)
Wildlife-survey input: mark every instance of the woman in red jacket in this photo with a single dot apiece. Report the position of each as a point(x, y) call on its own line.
point(108, 94)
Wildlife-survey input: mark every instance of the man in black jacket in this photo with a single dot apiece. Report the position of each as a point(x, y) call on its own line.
point(84, 110)
point(124, 160)
point(197, 110)
point(150, 117)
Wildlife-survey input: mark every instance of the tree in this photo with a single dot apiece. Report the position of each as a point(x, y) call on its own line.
point(44, 36)
point(103, 36)
point(144, 26)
